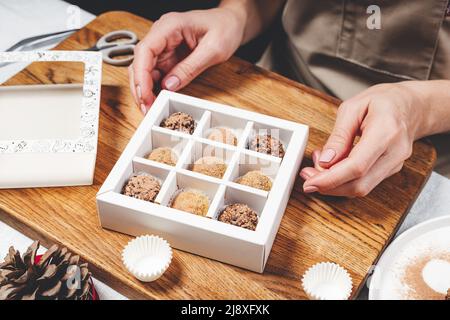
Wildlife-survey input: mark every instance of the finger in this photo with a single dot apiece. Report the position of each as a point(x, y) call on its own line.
point(386, 166)
point(372, 145)
point(348, 121)
point(308, 172)
point(206, 54)
point(132, 85)
point(315, 157)
point(168, 60)
point(156, 75)
point(146, 53)
point(141, 106)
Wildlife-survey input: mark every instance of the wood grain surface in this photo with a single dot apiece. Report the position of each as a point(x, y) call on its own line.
point(351, 232)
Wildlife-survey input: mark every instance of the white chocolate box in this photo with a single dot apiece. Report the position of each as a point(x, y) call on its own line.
point(205, 236)
point(48, 133)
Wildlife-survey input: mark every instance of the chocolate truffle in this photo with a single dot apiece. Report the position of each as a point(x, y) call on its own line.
point(179, 121)
point(265, 143)
point(223, 135)
point(163, 155)
point(211, 166)
point(448, 295)
point(192, 201)
point(239, 214)
point(142, 187)
point(256, 180)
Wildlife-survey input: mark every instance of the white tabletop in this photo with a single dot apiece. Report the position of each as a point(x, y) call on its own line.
point(25, 18)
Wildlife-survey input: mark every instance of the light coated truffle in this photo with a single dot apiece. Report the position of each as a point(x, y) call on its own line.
point(239, 214)
point(163, 155)
point(143, 187)
point(223, 135)
point(210, 166)
point(179, 121)
point(256, 180)
point(192, 201)
point(265, 143)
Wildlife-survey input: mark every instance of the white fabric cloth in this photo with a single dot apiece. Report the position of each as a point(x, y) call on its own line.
point(20, 19)
point(433, 202)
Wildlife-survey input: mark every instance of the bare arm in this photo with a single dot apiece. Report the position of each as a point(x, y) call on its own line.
point(180, 46)
point(257, 14)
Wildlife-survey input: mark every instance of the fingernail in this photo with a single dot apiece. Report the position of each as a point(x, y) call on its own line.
point(143, 109)
point(172, 83)
point(310, 189)
point(304, 175)
point(139, 93)
point(327, 155)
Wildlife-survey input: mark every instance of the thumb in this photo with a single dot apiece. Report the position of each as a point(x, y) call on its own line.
point(348, 121)
point(204, 56)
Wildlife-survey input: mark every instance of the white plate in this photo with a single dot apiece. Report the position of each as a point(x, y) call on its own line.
point(421, 253)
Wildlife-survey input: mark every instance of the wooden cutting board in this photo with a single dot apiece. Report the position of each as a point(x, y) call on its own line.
point(351, 232)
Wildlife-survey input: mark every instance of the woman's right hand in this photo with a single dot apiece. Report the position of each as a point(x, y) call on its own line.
point(179, 46)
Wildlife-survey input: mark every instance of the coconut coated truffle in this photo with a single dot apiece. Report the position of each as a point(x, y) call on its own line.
point(193, 201)
point(239, 214)
point(163, 155)
point(223, 135)
point(265, 143)
point(179, 121)
point(143, 187)
point(255, 179)
point(210, 166)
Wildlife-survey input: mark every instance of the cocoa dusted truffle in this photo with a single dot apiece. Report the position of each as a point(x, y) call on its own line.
point(265, 143)
point(163, 155)
point(192, 201)
point(239, 214)
point(143, 187)
point(179, 121)
point(223, 135)
point(256, 180)
point(210, 166)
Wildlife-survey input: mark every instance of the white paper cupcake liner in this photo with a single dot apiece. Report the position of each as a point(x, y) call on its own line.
point(147, 257)
point(327, 281)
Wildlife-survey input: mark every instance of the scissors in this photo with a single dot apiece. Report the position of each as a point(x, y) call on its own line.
point(111, 48)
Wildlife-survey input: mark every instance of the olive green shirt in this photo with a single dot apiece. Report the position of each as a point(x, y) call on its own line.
point(327, 44)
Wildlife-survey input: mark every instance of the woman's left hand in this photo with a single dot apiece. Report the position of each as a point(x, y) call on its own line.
point(388, 118)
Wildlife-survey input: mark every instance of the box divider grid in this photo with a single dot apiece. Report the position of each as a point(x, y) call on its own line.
point(246, 135)
point(217, 203)
point(151, 163)
point(202, 124)
point(167, 189)
point(220, 191)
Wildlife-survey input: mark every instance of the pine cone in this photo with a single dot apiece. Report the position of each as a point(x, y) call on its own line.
point(57, 276)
